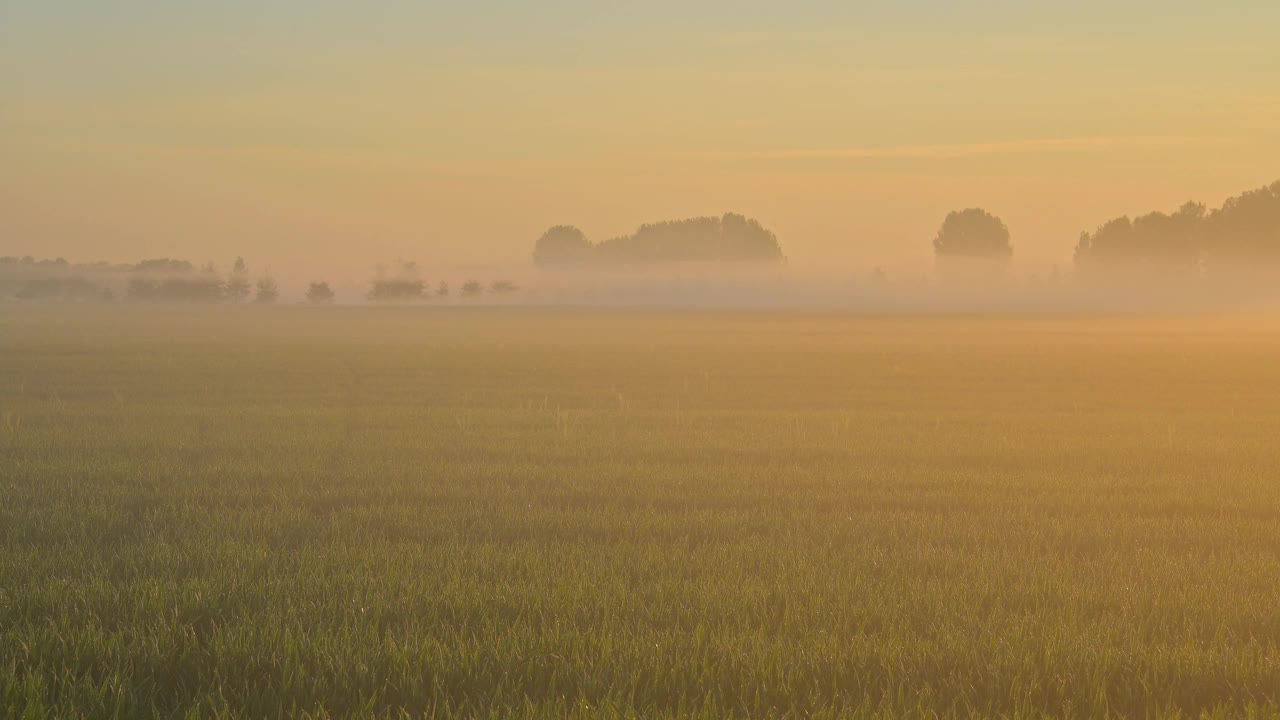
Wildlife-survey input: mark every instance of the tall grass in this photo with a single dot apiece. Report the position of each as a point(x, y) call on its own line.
point(406, 513)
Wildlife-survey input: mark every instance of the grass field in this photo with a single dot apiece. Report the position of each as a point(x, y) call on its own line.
point(362, 512)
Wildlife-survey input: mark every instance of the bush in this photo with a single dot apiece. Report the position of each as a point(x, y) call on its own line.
point(397, 290)
point(268, 292)
point(201, 289)
point(319, 293)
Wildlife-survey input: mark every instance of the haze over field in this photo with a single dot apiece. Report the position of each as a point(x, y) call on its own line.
point(326, 137)
point(674, 359)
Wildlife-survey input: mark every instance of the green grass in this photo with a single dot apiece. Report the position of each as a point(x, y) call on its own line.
point(363, 512)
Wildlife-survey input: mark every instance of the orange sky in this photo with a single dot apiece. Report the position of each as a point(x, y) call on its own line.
point(318, 136)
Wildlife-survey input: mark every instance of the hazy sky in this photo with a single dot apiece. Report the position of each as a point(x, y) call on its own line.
point(317, 133)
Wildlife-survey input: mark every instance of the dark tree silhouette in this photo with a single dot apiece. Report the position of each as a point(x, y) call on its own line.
point(397, 290)
point(164, 265)
point(1247, 227)
point(268, 291)
point(973, 234)
point(176, 289)
point(728, 239)
point(405, 286)
point(1166, 243)
point(502, 287)
point(319, 293)
point(562, 245)
point(1242, 237)
point(472, 288)
point(731, 238)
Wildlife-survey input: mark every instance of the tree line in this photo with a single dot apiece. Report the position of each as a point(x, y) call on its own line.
point(154, 280)
point(1243, 233)
point(180, 281)
point(405, 285)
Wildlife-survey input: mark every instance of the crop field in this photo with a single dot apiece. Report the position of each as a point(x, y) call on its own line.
point(434, 512)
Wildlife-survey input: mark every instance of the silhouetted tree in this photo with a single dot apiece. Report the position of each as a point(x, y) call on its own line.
point(973, 234)
point(176, 289)
point(731, 238)
point(442, 290)
point(319, 293)
point(562, 245)
point(1166, 243)
point(164, 265)
point(404, 287)
point(742, 238)
point(1242, 235)
point(471, 288)
point(502, 287)
point(1247, 227)
point(268, 291)
point(390, 290)
point(238, 282)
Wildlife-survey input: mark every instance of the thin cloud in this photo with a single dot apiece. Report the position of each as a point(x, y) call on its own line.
point(970, 150)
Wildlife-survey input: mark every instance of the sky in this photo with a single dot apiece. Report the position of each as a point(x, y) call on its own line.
point(335, 136)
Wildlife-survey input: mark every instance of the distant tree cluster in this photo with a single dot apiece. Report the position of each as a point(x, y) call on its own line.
point(397, 290)
point(972, 245)
point(75, 288)
point(176, 289)
point(168, 266)
point(973, 234)
point(157, 265)
point(156, 280)
point(1242, 234)
point(185, 285)
point(563, 245)
point(165, 280)
point(1245, 231)
point(728, 239)
point(405, 285)
point(319, 293)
